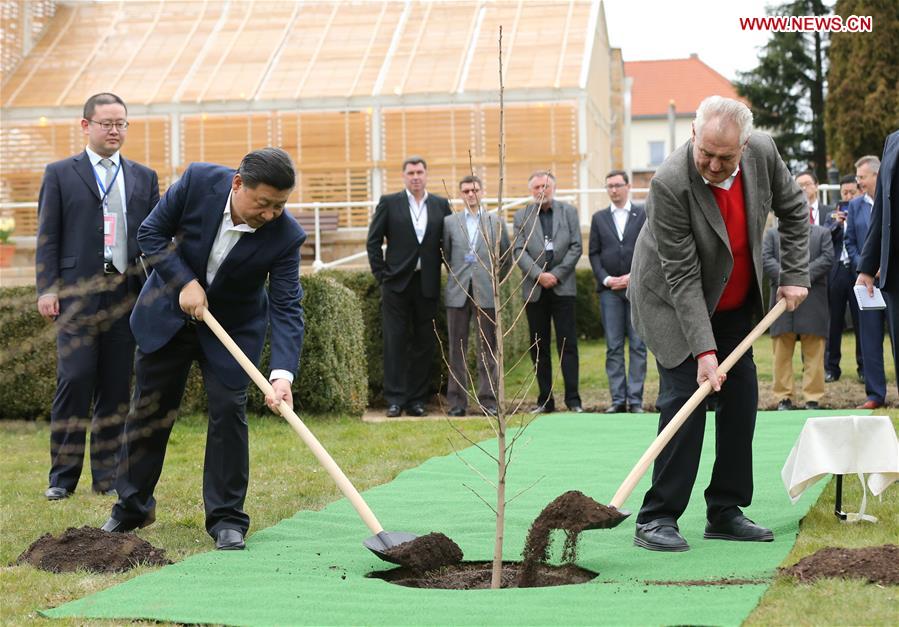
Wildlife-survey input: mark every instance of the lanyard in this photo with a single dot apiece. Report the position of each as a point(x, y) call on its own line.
point(472, 240)
point(103, 200)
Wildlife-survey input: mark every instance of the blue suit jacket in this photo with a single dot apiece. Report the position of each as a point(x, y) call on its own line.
point(70, 228)
point(876, 252)
point(857, 223)
point(178, 236)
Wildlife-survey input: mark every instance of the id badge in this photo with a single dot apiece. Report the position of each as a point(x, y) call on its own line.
point(548, 245)
point(469, 258)
point(109, 230)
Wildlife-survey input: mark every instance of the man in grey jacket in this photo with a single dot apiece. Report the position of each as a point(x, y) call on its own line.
point(695, 287)
point(547, 248)
point(469, 242)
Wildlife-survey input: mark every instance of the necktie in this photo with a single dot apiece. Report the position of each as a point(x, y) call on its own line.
point(811, 214)
point(116, 254)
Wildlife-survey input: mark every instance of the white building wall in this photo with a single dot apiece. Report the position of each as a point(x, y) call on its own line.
point(644, 131)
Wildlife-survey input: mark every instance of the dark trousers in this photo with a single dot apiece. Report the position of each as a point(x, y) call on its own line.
point(891, 296)
point(674, 472)
point(161, 377)
point(839, 293)
point(625, 387)
point(870, 335)
point(408, 326)
point(95, 357)
point(551, 309)
point(458, 321)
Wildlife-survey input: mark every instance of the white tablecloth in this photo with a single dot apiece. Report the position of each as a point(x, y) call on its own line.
point(843, 445)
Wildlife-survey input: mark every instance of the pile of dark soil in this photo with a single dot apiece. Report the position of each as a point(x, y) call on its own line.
point(875, 564)
point(89, 548)
point(427, 552)
point(477, 575)
point(572, 512)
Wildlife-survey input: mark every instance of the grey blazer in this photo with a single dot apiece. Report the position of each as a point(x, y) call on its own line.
point(682, 260)
point(528, 249)
point(812, 317)
point(473, 278)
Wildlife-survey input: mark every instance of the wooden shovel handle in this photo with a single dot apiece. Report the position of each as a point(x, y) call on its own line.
point(690, 406)
point(344, 484)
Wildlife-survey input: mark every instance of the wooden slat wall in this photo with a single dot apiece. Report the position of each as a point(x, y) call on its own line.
point(12, 38)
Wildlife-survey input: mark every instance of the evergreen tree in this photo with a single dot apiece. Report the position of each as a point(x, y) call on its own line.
point(863, 103)
point(786, 90)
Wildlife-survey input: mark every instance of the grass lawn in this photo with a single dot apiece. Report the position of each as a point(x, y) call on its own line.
point(285, 478)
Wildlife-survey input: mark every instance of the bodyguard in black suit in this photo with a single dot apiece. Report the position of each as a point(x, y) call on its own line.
point(88, 276)
point(880, 245)
point(236, 252)
point(409, 274)
point(613, 233)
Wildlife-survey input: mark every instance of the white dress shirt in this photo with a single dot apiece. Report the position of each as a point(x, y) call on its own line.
point(726, 183)
point(100, 171)
point(419, 213)
point(619, 216)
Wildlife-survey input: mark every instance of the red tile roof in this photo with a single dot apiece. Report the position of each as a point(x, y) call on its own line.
point(686, 81)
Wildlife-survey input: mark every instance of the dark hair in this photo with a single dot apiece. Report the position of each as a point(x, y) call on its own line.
point(620, 173)
point(471, 178)
point(848, 179)
point(808, 173)
point(101, 99)
point(413, 160)
point(271, 166)
point(537, 173)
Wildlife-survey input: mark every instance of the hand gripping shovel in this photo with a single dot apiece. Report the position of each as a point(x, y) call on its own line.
point(382, 541)
point(679, 419)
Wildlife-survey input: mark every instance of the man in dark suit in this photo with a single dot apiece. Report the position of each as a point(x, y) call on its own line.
point(88, 275)
point(839, 286)
point(613, 234)
point(695, 287)
point(409, 275)
point(231, 237)
point(880, 245)
point(547, 248)
point(870, 322)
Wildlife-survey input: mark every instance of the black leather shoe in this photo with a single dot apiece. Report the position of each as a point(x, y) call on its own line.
point(416, 409)
point(616, 409)
point(54, 493)
point(635, 409)
point(785, 405)
point(393, 411)
point(114, 525)
point(456, 412)
point(490, 411)
point(106, 492)
point(830, 378)
point(543, 409)
point(576, 409)
point(660, 535)
point(229, 540)
point(812, 405)
point(738, 528)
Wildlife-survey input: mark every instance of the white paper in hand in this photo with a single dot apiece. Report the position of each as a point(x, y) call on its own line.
point(866, 302)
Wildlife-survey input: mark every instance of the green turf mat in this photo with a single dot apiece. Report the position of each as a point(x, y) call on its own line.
point(310, 569)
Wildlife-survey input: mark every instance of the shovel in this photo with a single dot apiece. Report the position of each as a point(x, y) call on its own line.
point(679, 419)
point(382, 541)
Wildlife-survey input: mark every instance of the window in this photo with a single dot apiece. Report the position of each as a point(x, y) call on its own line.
point(656, 153)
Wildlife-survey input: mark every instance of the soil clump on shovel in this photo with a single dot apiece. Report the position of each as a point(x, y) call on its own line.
point(89, 548)
point(875, 564)
point(571, 512)
point(428, 552)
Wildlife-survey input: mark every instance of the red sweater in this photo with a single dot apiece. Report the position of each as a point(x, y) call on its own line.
point(733, 210)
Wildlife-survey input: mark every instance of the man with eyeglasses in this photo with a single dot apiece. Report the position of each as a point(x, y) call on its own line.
point(88, 277)
point(613, 233)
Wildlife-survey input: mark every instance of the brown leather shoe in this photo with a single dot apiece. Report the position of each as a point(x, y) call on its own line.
point(869, 404)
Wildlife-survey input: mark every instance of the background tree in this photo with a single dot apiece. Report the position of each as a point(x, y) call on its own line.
point(786, 91)
point(863, 103)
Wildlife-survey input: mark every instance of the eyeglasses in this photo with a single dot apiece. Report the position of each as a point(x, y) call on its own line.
point(121, 125)
point(616, 185)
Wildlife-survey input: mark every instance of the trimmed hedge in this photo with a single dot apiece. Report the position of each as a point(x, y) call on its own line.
point(331, 377)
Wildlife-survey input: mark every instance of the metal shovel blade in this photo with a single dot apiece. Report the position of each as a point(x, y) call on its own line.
point(612, 521)
point(382, 542)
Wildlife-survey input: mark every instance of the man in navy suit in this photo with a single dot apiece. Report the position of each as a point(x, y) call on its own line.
point(880, 245)
point(214, 240)
point(871, 321)
point(88, 276)
point(613, 234)
point(409, 276)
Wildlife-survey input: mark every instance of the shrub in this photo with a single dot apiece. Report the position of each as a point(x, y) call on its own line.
point(331, 378)
point(589, 320)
